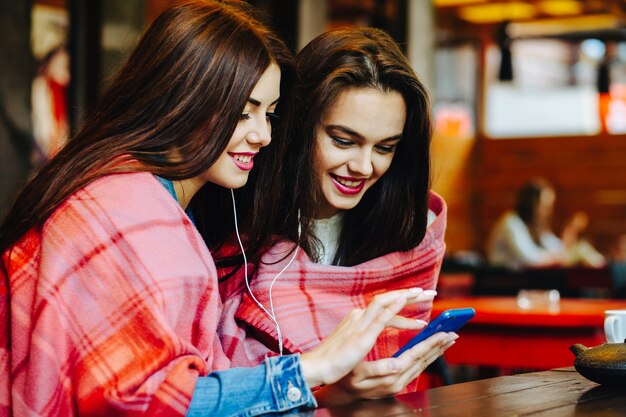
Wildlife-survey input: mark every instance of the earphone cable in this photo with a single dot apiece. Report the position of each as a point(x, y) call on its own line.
point(295, 253)
point(271, 314)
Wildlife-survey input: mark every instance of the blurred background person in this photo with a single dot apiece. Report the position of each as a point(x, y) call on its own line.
point(524, 238)
point(49, 98)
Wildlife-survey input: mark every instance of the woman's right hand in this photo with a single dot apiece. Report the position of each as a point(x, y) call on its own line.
point(574, 226)
point(355, 336)
point(385, 377)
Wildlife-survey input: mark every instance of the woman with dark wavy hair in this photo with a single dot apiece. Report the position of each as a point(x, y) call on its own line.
point(523, 238)
point(109, 303)
point(356, 188)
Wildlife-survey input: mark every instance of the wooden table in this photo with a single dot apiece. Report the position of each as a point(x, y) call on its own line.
point(506, 336)
point(555, 393)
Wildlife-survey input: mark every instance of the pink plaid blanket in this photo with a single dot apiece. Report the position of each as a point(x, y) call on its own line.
point(310, 299)
point(114, 307)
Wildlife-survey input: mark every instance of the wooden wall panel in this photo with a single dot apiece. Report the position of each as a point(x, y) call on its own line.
point(453, 178)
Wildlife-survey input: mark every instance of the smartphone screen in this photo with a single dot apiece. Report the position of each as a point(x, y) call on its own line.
point(448, 321)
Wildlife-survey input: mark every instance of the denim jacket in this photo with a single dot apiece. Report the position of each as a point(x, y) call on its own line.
point(274, 386)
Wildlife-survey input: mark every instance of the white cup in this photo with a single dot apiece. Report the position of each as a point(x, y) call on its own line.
point(615, 326)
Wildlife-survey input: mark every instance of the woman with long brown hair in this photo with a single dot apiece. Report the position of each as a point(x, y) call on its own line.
point(109, 301)
point(357, 201)
point(523, 238)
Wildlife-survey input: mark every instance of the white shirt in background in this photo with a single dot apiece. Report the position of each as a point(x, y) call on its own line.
point(512, 246)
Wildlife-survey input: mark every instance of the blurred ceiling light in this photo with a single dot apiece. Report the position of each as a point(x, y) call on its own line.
point(621, 53)
point(453, 3)
point(560, 7)
point(547, 27)
point(492, 13)
point(593, 48)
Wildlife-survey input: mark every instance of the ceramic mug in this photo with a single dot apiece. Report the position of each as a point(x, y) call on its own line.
point(615, 326)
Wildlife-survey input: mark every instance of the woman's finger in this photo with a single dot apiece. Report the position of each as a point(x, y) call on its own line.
point(375, 369)
point(389, 376)
point(400, 322)
point(388, 313)
point(434, 346)
point(424, 353)
point(363, 332)
point(381, 310)
point(417, 295)
point(415, 371)
point(419, 362)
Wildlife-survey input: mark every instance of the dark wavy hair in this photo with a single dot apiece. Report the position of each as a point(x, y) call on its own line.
point(392, 215)
point(528, 197)
point(182, 90)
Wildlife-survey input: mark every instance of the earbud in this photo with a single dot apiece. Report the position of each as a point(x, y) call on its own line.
point(299, 227)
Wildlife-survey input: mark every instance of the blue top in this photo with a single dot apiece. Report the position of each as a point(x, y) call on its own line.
point(274, 386)
point(169, 186)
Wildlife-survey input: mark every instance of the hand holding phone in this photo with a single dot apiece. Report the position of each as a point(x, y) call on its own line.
point(448, 321)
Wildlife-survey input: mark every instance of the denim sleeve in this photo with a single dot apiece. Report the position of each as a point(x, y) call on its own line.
point(274, 386)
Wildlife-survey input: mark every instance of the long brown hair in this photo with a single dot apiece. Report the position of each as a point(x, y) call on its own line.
point(183, 89)
point(392, 215)
point(528, 199)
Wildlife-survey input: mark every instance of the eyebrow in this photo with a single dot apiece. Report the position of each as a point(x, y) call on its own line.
point(359, 136)
point(257, 103)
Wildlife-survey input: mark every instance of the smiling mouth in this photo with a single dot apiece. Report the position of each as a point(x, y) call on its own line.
point(347, 185)
point(243, 161)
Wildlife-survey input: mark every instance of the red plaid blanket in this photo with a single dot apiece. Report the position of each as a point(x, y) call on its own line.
point(310, 299)
point(114, 307)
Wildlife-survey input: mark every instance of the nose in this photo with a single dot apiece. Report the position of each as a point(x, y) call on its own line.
point(361, 163)
point(260, 134)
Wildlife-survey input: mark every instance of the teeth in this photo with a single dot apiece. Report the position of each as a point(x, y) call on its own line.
point(243, 158)
point(348, 183)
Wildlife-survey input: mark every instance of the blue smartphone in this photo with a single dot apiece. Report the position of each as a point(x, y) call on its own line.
point(448, 321)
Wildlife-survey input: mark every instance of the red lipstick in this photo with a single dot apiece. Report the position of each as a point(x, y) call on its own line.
point(243, 160)
point(348, 189)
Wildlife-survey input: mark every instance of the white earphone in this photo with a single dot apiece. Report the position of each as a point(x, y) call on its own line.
point(269, 313)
